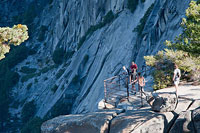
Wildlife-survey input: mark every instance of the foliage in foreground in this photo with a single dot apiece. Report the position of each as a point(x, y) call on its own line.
point(185, 52)
point(15, 35)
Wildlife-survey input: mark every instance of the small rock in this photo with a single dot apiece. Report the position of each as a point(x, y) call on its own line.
point(103, 105)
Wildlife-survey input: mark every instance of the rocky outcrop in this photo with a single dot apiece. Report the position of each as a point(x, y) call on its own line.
point(134, 118)
point(90, 123)
point(141, 120)
point(163, 102)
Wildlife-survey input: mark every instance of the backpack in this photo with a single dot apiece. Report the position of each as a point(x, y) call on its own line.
point(178, 75)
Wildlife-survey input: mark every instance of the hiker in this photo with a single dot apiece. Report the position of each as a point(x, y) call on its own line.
point(133, 66)
point(133, 80)
point(176, 77)
point(141, 82)
point(126, 70)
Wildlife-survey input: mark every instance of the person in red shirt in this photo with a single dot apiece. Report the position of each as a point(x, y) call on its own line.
point(133, 66)
point(133, 76)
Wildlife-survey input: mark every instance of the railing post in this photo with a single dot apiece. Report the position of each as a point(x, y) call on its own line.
point(140, 89)
point(105, 93)
point(127, 87)
point(119, 83)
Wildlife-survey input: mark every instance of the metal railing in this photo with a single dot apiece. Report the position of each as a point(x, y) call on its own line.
point(116, 86)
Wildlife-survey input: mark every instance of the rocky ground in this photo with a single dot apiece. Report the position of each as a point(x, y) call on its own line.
point(128, 115)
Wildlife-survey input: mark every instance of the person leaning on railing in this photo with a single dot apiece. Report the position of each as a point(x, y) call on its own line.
point(141, 82)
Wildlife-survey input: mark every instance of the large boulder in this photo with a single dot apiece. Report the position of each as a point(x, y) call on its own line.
point(141, 121)
point(91, 122)
point(163, 102)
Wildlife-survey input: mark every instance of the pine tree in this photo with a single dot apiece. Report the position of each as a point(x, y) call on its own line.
point(15, 35)
point(189, 40)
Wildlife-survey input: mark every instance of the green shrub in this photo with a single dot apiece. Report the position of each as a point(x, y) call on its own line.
point(60, 73)
point(46, 78)
point(163, 62)
point(27, 70)
point(36, 80)
point(189, 40)
point(50, 2)
point(162, 79)
point(32, 126)
point(27, 63)
point(54, 88)
point(143, 20)
point(63, 87)
point(75, 79)
point(27, 77)
point(16, 55)
point(11, 79)
point(132, 5)
point(28, 111)
point(46, 69)
point(85, 59)
point(107, 19)
point(58, 55)
point(68, 54)
point(29, 86)
point(60, 108)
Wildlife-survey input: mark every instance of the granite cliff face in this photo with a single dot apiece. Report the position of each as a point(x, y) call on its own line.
point(76, 85)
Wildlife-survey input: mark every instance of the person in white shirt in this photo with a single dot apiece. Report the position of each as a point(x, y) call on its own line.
point(176, 78)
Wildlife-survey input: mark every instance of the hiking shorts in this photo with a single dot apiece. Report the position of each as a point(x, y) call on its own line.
point(176, 82)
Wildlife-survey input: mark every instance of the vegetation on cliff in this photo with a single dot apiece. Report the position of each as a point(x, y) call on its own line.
point(15, 35)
